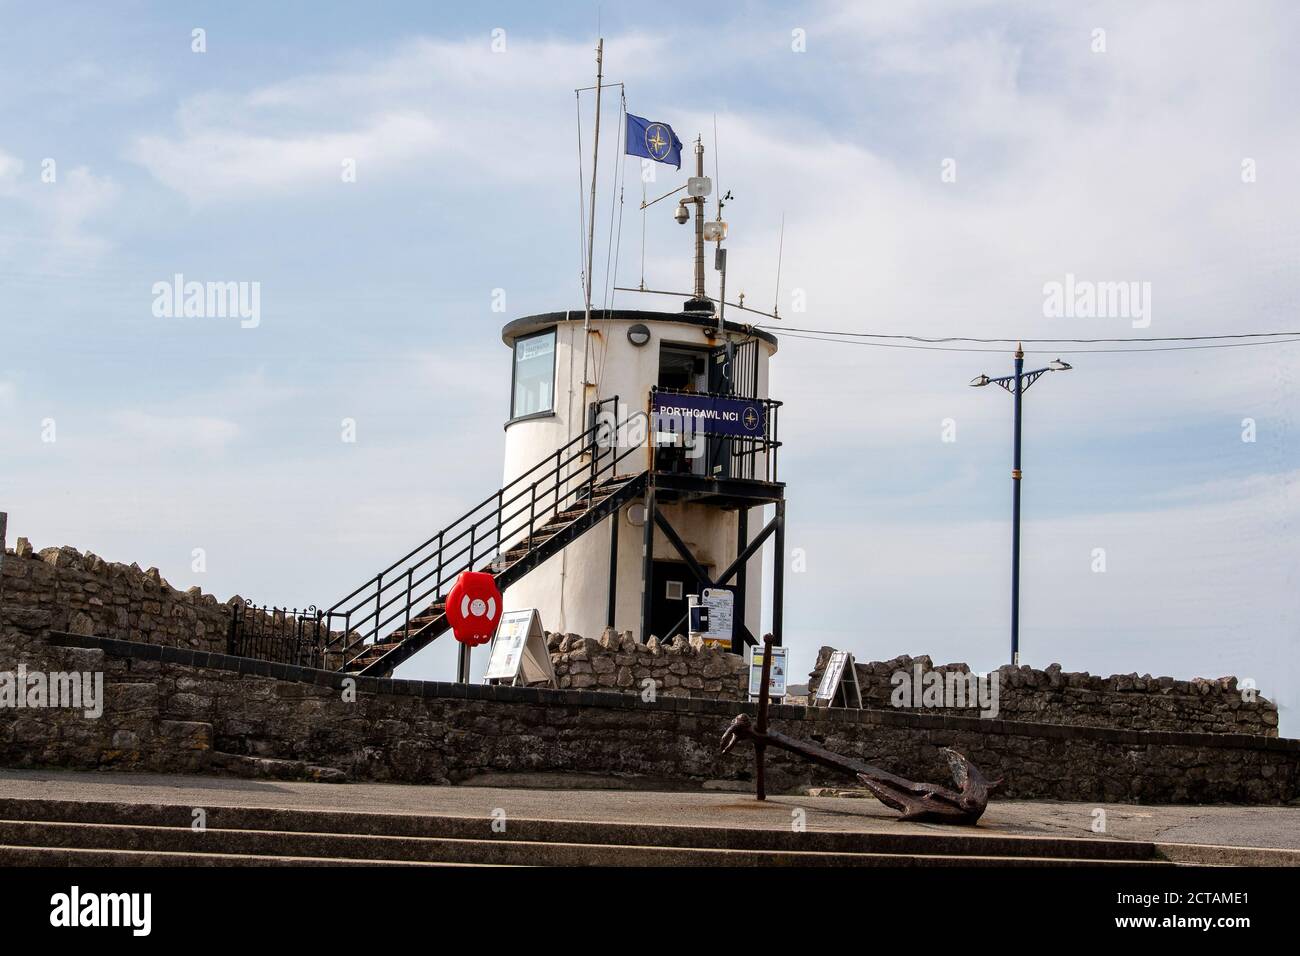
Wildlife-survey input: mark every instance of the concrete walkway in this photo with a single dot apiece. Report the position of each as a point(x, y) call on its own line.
point(1277, 827)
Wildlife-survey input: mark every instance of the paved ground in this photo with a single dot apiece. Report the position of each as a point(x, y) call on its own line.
point(1221, 825)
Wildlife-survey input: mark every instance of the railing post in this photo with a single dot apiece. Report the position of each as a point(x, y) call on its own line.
point(500, 518)
point(437, 578)
point(379, 591)
point(410, 577)
point(774, 439)
point(322, 640)
point(532, 514)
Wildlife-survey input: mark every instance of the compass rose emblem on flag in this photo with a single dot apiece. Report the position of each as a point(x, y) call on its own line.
point(652, 140)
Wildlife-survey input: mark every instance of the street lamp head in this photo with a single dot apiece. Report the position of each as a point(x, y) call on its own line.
point(1056, 365)
point(979, 380)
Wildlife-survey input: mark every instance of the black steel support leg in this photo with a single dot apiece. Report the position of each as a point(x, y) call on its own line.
point(742, 539)
point(648, 561)
point(778, 574)
point(613, 568)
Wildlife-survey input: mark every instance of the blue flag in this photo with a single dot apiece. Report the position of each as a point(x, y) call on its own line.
point(655, 141)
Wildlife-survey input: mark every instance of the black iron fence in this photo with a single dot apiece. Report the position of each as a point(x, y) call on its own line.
point(280, 634)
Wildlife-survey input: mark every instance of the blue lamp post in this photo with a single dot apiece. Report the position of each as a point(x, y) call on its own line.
point(1017, 384)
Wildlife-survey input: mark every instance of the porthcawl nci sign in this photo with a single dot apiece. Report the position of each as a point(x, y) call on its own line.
point(684, 414)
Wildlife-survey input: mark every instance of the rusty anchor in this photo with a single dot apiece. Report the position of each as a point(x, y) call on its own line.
point(916, 801)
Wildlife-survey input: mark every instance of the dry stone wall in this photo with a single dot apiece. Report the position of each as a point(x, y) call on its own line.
point(617, 662)
point(85, 594)
point(1055, 696)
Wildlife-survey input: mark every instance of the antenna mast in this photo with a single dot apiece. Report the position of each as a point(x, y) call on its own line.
point(780, 250)
point(699, 224)
point(591, 225)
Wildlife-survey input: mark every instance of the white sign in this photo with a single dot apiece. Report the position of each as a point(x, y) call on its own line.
point(840, 663)
point(775, 679)
point(519, 650)
point(712, 616)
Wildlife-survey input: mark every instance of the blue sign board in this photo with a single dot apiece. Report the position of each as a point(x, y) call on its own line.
point(685, 413)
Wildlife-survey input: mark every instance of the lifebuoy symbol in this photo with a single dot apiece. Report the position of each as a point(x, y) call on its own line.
point(478, 607)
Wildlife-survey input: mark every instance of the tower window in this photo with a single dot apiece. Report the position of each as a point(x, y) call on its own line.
point(533, 387)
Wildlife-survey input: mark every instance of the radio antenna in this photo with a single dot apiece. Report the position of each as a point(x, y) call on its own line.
point(717, 175)
point(780, 250)
point(591, 224)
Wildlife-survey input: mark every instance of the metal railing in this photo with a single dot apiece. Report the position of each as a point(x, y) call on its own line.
point(478, 539)
point(278, 634)
point(747, 457)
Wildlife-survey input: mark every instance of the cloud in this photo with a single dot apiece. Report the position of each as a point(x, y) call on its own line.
point(168, 432)
point(53, 224)
point(454, 103)
point(210, 163)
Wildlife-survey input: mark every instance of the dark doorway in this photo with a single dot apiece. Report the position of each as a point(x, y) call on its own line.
point(682, 368)
point(673, 581)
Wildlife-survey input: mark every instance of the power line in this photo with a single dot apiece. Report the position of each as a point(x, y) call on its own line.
point(949, 348)
point(960, 338)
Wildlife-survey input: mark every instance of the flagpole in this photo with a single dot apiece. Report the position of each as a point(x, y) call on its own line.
point(591, 225)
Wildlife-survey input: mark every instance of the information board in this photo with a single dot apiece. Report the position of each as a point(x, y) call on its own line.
point(712, 616)
point(833, 678)
point(519, 650)
point(775, 680)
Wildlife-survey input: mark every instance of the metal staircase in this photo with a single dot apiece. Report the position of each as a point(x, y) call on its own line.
point(401, 610)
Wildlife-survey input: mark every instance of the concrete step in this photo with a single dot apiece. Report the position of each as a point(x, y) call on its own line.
point(270, 831)
point(289, 845)
point(62, 856)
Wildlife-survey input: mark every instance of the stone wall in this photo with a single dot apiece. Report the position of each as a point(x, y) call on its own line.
point(617, 662)
point(85, 594)
point(1060, 697)
point(177, 709)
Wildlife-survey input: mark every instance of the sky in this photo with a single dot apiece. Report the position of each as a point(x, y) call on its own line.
point(935, 164)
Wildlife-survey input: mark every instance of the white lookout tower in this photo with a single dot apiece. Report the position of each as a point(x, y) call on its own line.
point(676, 409)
